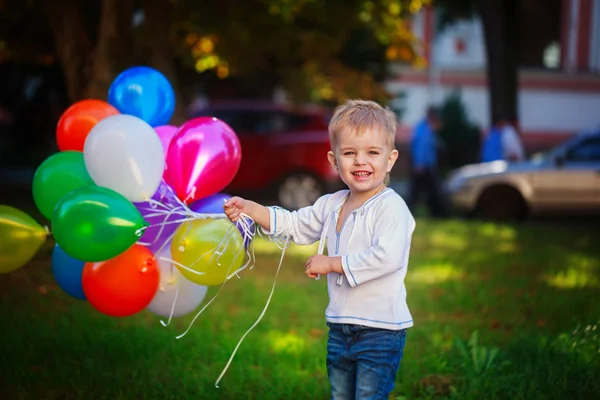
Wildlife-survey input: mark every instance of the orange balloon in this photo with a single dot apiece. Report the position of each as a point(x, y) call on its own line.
point(123, 285)
point(77, 121)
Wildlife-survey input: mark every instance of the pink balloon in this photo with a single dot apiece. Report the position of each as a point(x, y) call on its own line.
point(166, 133)
point(203, 158)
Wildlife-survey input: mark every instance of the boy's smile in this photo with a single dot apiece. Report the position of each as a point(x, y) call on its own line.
point(363, 161)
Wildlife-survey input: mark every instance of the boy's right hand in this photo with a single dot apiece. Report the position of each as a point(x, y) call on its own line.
point(234, 207)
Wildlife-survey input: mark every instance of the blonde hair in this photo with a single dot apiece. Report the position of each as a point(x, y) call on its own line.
point(358, 116)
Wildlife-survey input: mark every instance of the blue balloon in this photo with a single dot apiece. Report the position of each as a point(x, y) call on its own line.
point(144, 93)
point(67, 272)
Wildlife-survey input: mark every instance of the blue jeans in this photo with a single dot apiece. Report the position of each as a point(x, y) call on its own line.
point(362, 362)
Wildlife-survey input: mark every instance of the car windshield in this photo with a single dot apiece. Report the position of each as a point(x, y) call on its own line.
point(561, 148)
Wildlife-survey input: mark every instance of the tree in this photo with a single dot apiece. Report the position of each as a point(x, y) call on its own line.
point(294, 43)
point(320, 51)
point(500, 24)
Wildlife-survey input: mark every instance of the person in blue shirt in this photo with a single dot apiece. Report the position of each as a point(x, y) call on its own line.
point(424, 159)
point(492, 145)
point(502, 142)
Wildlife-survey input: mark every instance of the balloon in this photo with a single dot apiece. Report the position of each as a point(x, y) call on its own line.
point(165, 133)
point(153, 235)
point(124, 153)
point(145, 93)
point(247, 236)
point(123, 285)
point(194, 246)
point(58, 175)
point(214, 205)
point(67, 272)
point(77, 121)
point(95, 223)
point(203, 158)
point(20, 238)
point(189, 295)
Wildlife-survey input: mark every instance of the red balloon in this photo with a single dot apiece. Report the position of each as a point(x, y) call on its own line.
point(77, 121)
point(203, 158)
point(123, 285)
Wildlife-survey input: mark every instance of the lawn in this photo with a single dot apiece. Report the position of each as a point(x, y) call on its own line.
point(528, 294)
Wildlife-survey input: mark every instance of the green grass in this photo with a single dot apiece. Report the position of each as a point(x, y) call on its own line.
point(529, 291)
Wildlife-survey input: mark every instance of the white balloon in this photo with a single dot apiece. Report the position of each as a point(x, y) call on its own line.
point(189, 295)
point(125, 154)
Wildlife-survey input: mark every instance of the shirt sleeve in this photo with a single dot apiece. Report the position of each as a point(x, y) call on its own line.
point(392, 233)
point(303, 226)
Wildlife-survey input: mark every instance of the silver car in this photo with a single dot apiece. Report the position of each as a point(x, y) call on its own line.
point(564, 180)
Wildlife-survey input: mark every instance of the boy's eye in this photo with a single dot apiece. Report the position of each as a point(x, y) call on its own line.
point(373, 152)
point(348, 153)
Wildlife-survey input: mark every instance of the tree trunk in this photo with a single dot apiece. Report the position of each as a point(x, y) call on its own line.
point(113, 50)
point(161, 57)
point(89, 68)
point(71, 43)
point(500, 27)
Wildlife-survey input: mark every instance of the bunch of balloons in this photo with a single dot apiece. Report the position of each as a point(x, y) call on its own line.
point(134, 203)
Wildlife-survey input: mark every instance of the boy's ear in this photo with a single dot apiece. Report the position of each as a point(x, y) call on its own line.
point(331, 158)
point(392, 159)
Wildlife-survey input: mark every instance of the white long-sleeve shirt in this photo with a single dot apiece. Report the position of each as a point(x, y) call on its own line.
point(374, 244)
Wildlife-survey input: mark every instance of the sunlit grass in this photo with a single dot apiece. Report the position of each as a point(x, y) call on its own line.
point(286, 342)
point(572, 278)
point(434, 274)
point(581, 272)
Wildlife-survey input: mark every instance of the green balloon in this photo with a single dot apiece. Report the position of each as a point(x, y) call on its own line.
point(95, 224)
point(57, 176)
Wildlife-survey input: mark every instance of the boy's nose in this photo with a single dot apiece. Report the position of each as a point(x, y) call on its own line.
point(359, 161)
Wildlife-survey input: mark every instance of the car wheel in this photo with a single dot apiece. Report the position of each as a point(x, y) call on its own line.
point(299, 190)
point(502, 203)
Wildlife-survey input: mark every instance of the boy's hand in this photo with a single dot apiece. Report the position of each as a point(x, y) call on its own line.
point(323, 265)
point(234, 207)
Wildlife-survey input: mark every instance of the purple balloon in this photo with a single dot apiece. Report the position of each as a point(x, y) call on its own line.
point(214, 205)
point(247, 239)
point(166, 133)
point(154, 235)
point(210, 205)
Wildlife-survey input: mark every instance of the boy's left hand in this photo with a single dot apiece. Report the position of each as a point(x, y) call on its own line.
point(322, 265)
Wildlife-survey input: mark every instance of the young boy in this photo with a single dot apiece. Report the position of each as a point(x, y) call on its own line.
point(368, 231)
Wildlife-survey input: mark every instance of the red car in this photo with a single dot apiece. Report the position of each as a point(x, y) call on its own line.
point(284, 151)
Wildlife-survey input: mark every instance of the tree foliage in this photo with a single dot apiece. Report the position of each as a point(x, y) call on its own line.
point(319, 51)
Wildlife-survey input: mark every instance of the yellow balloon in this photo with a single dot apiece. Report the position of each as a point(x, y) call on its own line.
point(20, 238)
point(195, 244)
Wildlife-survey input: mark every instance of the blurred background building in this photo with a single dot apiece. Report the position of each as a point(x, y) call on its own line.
point(558, 76)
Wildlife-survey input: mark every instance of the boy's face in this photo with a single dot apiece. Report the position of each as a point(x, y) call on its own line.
point(363, 160)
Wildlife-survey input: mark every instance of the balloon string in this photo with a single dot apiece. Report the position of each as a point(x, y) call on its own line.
point(250, 263)
point(162, 227)
point(183, 266)
point(211, 300)
point(174, 302)
point(259, 318)
point(218, 250)
point(166, 243)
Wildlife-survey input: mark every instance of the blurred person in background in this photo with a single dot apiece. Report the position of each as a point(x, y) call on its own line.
point(502, 143)
point(424, 163)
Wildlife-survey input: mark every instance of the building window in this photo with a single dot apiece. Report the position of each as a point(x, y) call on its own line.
point(540, 33)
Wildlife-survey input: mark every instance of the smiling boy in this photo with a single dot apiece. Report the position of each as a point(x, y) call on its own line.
point(368, 230)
